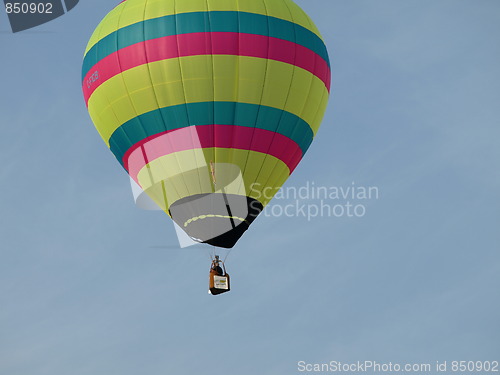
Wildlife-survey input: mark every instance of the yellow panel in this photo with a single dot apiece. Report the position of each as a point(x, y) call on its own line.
point(201, 178)
point(197, 80)
point(198, 90)
point(320, 113)
point(107, 25)
point(277, 84)
point(274, 179)
point(267, 174)
point(196, 67)
point(96, 119)
point(255, 6)
point(180, 166)
point(169, 93)
point(133, 10)
point(313, 103)
point(278, 9)
point(106, 117)
point(124, 110)
point(256, 161)
point(165, 71)
point(140, 90)
point(157, 8)
point(277, 180)
point(252, 74)
point(299, 90)
point(96, 36)
point(143, 100)
point(182, 6)
point(226, 72)
point(139, 79)
point(237, 157)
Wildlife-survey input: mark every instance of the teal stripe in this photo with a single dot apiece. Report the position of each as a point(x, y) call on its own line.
point(197, 22)
point(209, 113)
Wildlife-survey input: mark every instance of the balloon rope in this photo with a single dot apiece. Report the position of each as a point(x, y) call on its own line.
point(212, 172)
point(227, 255)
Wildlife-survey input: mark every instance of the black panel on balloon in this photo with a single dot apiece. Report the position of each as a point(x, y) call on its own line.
point(217, 219)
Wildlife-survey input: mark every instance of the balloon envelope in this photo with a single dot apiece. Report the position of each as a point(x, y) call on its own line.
point(209, 105)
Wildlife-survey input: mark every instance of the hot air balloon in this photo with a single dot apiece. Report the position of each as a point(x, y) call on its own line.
point(209, 105)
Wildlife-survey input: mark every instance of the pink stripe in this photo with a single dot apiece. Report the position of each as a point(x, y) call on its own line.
point(217, 43)
point(198, 137)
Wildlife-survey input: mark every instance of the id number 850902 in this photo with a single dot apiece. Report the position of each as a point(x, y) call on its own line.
point(28, 8)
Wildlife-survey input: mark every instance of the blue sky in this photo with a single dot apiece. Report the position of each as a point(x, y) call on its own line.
point(85, 289)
